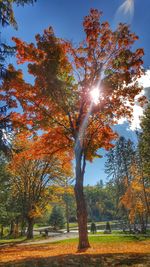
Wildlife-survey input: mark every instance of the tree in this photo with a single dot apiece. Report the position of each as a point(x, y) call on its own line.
point(66, 197)
point(118, 168)
point(93, 228)
point(4, 192)
point(60, 97)
point(137, 196)
point(31, 176)
point(99, 203)
point(144, 142)
point(8, 206)
point(57, 220)
point(108, 228)
point(124, 167)
point(134, 198)
point(7, 13)
point(7, 18)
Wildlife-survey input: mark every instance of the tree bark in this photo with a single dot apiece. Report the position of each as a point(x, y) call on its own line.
point(17, 227)
point(2, 231)
point(23, 225)
point(67, 216)
point(80, 200)
point(12, 228)
point(30, 228)
point(143, 225)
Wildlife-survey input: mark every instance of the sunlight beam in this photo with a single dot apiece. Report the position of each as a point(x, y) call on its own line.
point(95, 95)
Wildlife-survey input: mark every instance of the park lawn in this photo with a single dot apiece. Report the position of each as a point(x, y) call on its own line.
point(109, 239)
point(104, 251)
point(118, 232)
point(20, 240)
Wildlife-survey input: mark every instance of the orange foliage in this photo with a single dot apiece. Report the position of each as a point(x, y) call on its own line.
point(33, 170)
point(64, 75)
point(134, 198)
point(48, 251)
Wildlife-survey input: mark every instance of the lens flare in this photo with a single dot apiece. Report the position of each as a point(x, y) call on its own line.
point(95, 95)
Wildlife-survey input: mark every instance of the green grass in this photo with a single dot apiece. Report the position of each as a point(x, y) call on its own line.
point(12, 240)
point(107, 239)
point(96, 238)
point(22, 239)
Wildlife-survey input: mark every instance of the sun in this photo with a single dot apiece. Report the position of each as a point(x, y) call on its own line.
point(95, 95)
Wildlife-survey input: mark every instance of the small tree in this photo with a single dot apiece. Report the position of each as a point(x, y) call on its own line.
point(108, 228)
point(57, 220)
point(93, 228)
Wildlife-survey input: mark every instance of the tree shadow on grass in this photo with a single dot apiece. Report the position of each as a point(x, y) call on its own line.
point(85, 260)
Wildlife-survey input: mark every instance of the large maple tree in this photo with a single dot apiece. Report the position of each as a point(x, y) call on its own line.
point(60, 97)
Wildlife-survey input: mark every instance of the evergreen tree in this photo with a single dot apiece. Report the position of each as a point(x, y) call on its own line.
point(8, 205)
point(108, 228)
point(117, 167)
point(57, 220)
point(144, 156)
point(144, 141)
point(7, 13)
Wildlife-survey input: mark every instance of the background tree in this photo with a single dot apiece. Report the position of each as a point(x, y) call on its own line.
point(60, 97)
point(66, 198)
point(137, 196)
point(4, 192)
point(134, 199)
point(9, 207)
point(118, 168)
point(7, 13)
point(31, 177)
point(107, 228)
point(99, 203)
point(144, 151)
point(57, 219)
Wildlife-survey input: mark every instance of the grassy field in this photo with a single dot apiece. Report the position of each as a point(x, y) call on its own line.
point(20, 240)
point(114, 237)
point(105, 251)
point(110, 239)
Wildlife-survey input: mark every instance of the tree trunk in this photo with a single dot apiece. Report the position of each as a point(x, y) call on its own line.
point(67, 216)
point(143, 225)
point(80, 200)
point(2, 231)
point(30, 228)
point(81, 217)
point(17, 228)
point(12, 228)
point(23, 226)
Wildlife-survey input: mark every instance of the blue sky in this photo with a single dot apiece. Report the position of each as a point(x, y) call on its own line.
point(66, 16)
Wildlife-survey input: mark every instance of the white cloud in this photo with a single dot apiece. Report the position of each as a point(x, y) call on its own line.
point(137, 109)
point(145, 79)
